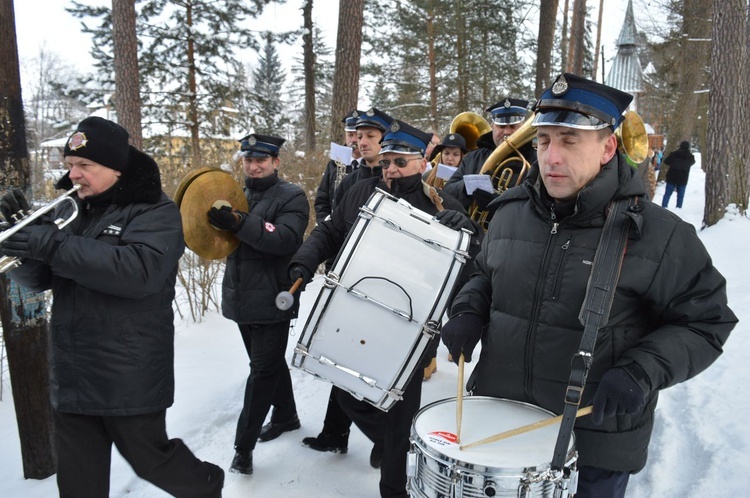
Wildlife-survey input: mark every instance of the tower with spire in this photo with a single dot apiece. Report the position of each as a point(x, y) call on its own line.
point(626, 73)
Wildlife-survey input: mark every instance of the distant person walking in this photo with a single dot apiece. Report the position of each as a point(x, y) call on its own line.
point(679, 163)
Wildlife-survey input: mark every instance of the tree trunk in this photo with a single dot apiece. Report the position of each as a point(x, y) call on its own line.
point(564, 38)
point(726, 175)
point(23, 316)
point(577, 33)
point(309, 70)
point(547, 26)
point(598, 41)
point(696, 19)
point(433, 70)
point(462, 102)
point(192, 111)
point(346, 72)
point(127, 85)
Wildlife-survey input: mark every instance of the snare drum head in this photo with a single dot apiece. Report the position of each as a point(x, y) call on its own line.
point(434, 429)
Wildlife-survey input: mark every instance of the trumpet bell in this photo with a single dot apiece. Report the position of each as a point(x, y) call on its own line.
point(633, 138)
point(195, 195)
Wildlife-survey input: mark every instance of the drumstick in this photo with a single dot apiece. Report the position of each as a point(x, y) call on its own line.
point(460, 397)
point(285, 299)
point(524, 429)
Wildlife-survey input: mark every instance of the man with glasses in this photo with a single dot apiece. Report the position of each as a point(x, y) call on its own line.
point(507, 116)
point(402, 161)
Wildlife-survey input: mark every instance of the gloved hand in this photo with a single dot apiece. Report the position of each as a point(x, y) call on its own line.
point(461, 334)
point(300, 271)
point(14, 206)
point(618, 393)
point(454, 219)
point(483, 198)
point(33, 241)
point(226, 219)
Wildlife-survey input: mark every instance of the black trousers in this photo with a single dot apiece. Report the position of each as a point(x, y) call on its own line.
point(84, 451)
point(337, 422)
point(599, 483)
point(390, 429)
point(269, 383)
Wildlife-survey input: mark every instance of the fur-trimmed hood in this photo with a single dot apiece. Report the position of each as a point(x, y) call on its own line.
point(139, 182)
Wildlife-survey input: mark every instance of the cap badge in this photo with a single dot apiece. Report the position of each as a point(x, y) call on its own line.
point(370, 112)
point(251, 141)
point(560, 86)
point(77, 141)
point(355, 114)
point(507, 104)
point(395, 127)
point(451, 137)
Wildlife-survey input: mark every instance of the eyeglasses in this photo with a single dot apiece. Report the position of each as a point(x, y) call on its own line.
point(399, 161)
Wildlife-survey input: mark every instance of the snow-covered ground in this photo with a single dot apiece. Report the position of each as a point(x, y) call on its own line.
point(700, 448)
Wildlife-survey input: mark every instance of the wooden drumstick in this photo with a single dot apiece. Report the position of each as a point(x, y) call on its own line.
point(524, 429)
point(460, 398)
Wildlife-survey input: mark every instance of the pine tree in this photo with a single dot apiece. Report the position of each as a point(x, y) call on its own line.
point(267, 106)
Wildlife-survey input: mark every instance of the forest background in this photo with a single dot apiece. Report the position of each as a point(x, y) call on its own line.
point(170, 71)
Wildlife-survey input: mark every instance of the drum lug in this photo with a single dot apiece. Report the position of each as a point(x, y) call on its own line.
point(524, 490)
point(431, 328)
point(330, 280)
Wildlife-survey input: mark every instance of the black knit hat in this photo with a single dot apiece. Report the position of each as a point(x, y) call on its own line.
point(100, 140)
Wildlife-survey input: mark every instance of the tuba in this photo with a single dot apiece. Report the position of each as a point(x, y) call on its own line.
point(469, 125)
point(500, 172)
point(632, 138)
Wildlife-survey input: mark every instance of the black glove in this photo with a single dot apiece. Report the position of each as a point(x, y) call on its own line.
point(461, 335)
point(483, 198)
point(33, 241)
point(300, 271)
point(226, 219)
point(14, 206)
point(618, 393)
point(454, 219)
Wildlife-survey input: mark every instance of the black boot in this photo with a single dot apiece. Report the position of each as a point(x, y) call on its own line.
point(335, 443)
point(242, 463)
point(272, 430)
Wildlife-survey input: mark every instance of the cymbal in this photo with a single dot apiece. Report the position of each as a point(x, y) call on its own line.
point(195, 195)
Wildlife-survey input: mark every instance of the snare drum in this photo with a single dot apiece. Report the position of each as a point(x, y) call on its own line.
point(382, 301)
point(517, 467)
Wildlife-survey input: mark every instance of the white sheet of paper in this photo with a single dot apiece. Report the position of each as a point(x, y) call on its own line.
point(473, 182)
point(341, 153)
point(445, 172)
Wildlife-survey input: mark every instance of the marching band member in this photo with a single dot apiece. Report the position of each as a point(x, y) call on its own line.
point(402, 161)
point(112, 274)
point(370, 127)
point(669, 318)
point(507, 116)
point(335, 173)
point(255, 273)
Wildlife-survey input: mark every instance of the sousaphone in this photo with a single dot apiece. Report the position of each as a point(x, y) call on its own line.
point(195, 195)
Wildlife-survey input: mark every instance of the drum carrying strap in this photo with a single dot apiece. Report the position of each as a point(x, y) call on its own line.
point(600, 292)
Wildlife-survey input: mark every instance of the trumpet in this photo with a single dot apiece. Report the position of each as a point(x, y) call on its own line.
point(8, 262)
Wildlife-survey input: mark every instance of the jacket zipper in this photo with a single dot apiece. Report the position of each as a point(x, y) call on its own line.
point(560, 268)
point(535, 308)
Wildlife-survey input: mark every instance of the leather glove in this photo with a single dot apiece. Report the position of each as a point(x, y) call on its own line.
point(483, 198)
point(454, 219)
point(226, 219)
point(33, 241)
point(618, 393)
point(300, 271)
point(461, 334)
point(14, 206)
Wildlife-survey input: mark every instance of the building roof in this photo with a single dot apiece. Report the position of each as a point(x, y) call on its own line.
point(626, 73)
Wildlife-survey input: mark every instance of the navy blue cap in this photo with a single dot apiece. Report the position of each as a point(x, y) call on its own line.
point(452, 140)
point(255, 145)
point(577, 102)
point(350, 121)
point(374, 118)
point(508, 111)
point(403, 138)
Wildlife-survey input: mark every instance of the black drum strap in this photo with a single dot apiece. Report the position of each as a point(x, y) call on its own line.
point(600, 292)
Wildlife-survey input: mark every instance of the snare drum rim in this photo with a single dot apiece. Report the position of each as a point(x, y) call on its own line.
point(467, 467)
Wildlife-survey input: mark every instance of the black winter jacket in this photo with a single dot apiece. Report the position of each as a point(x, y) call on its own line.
point(364, 172)
point(668, 321)
point(679, 163)
point(112, 279)
point(257, 270)
point(325, 196)
point(472, 164)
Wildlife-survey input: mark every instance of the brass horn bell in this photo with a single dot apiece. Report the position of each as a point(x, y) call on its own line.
point(195, 195)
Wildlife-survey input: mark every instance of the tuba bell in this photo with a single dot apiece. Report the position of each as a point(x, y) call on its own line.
point(632, 138)
point(497, 166)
